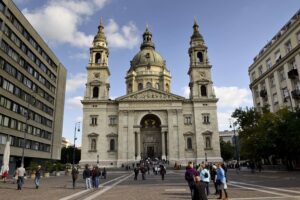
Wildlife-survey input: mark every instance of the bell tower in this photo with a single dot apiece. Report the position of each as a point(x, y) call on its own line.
point(97, 86)
point(201, 85)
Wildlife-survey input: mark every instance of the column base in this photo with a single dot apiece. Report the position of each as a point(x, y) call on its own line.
point(164, 157)
point(138, 158)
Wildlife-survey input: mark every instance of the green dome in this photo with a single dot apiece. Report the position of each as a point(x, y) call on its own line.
point(147, 56)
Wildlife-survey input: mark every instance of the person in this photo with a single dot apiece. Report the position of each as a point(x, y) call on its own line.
point(37, 177)
point(94, 174)
point(237, 168)
point(190, 174)
point(199, 189)
point(162, 172)
point(214, 178)
point(87, 176)
point(148, 169)
point(74, 176)
point(143, 171)
point(98, 175)
point(205, 177)
point(136, 172)
point(104, 173)
point(4, 176)
point(21, 173)
point(221, 181)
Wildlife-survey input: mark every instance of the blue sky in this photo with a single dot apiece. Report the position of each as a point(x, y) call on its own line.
point(234, 31)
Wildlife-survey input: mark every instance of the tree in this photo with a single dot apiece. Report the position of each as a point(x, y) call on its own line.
point(269, 134)
point(67, 155)
point(227, 150)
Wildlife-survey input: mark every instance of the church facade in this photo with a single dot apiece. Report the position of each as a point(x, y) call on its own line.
point(149, 121)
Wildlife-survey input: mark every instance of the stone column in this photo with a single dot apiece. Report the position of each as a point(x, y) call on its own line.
point(138, 145)
point(163, 147)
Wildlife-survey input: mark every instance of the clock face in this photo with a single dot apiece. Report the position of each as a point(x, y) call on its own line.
point(97, 75)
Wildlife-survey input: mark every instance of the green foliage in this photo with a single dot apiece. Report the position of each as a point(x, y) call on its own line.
point(32, 167)
point(47, 166)
point(227, 150)
point(268, 134)
point(67, 155)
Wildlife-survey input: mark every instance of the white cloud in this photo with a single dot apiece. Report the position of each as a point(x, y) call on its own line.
point(58, 21)
point(79, 119)
point(223, 120)
point(233, 97)
point(186, 92)
point(80, 55)
point(74, 102)
point(124, 37)
point(76, 82)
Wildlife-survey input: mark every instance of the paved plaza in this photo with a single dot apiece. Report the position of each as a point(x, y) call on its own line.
point(120, 185)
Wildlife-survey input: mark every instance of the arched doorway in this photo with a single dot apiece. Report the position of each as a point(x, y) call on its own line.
point(151, 142)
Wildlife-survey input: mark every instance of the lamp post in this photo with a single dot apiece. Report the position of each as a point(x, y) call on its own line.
point(97, 159)
point(77, 129)
point(232, 125)
point(205, 157)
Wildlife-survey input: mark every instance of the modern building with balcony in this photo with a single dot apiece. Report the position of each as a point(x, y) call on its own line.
point(274, 74)
point(32, 90)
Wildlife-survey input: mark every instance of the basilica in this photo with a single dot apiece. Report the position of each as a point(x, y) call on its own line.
point(149, 121)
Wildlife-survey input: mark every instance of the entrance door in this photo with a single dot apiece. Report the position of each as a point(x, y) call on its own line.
point(150, 151)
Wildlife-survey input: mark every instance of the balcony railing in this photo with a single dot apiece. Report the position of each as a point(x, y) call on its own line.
point(296, 94)
point(293, 73)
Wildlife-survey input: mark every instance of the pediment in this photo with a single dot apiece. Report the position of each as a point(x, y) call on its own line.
point(94, 82)
point(207, 133)
point(189, 133)
point(93, 135)
point(112, 135)
point(150, 94)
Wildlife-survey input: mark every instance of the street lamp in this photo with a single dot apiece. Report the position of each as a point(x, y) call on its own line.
point(232, 125)
point(77, 129)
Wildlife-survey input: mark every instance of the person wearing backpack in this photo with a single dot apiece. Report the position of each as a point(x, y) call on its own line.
point(189, 176)
point(205, 177)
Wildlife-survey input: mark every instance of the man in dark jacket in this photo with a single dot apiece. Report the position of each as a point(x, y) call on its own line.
point(87, 177)
point(190, 174)
point(74, 176)
point(199, 189)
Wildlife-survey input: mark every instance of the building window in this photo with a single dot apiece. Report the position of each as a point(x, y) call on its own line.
point(205, 118)
point(281, 75)
point(200, 57)
point(129, 88)
point(140, 86)
point(207, 142)
point(112, 145)
point(97, 58)
point(277, 56)
point(189, 143)
point(112, 120)
point(292, 64)
point(167, 88)
point(272, 82)
point(269, 63)
point(96, 92)
point(93, 120)
point(93, 145)
point(203, 91)
point(157, 86)
point(260, 70)
point(148, 85)
point(285, 93)
point(288, 46)
point(188, 120)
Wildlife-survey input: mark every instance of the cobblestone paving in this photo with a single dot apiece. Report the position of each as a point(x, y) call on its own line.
point(120, 185)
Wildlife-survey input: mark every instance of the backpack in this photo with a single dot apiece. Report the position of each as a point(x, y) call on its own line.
point(205, 175)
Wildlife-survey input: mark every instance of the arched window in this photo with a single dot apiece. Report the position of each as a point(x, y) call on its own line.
point(203, 90)
point(207, 142)
point(93, 145)
point(129, 88)
point(167, 88)
point(189, 143)
point(97, 58)
point(157, 86)
point(148, 85)
point(140, 86)
point(200, 57)
point(95, 92)
point(112, 145)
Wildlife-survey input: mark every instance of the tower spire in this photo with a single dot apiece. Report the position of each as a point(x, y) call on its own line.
point(196, 34)
point(100, 36)
point(147, 39)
